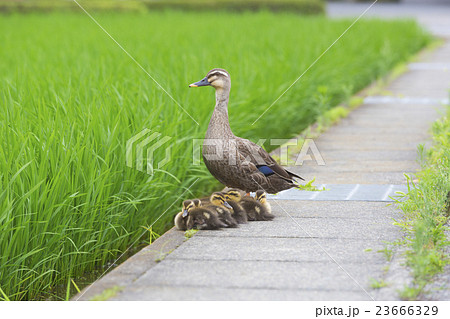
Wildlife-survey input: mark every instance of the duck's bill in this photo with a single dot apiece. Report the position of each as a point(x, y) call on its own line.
point(203, 82)
point(227, 205)
point(185, 213)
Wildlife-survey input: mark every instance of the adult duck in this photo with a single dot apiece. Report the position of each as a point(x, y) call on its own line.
point(234, 161)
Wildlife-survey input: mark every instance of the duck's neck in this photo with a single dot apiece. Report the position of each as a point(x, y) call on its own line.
point(219, 126)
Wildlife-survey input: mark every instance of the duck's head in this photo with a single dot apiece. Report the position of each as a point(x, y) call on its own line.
point(187, 206)
point(217, 78)
point(218, 199)
point(260, 196)
point(233, 195)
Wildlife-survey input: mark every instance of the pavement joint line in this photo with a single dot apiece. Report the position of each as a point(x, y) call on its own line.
point(380, 99)
point(336, 200)
point(328, 217)
point(295, 237)
point(252, 288)
point(389, 190)
point(429, 66)
point(373, 241)
point(321, 262)
point(344, 192)
point(313, 196)
point(353, 192)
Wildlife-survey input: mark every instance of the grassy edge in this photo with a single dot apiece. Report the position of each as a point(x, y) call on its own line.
point(425, 212)
point(107, 294)
point(151, 255)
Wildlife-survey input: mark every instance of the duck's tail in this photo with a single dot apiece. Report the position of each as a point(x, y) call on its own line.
point(295, 175)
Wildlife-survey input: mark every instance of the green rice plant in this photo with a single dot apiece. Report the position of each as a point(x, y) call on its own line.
point(298, 6)
point(71, 98)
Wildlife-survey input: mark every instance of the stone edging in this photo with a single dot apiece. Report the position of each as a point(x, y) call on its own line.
point(135, 266)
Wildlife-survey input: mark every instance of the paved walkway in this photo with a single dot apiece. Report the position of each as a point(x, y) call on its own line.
point(319, 247)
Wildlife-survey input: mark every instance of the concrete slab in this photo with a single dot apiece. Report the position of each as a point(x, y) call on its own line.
point(335, 209)
point(431, 84)
point(281, 249)
point(257, 275)
point(311, 227)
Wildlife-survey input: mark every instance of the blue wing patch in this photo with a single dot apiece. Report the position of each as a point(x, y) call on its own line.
point(266, 170)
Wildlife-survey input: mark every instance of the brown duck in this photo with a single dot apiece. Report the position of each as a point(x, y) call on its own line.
point(234, 161)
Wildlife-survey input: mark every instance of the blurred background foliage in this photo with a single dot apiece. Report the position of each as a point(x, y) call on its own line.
point(298, 6)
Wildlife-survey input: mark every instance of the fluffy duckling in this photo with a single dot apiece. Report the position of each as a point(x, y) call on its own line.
point(254, 209)
point(261, 197)
point(230, 199)
point(200, 217)
point(180, 220)
point(224, 210)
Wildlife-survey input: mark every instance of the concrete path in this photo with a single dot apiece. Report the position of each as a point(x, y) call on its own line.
point(319, 247)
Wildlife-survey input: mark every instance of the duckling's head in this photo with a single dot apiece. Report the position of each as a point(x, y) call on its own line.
point(197, 202)
point(260, 196)
point(218, 199)
point(187, 206)
point(233, 195)
point(217, 78)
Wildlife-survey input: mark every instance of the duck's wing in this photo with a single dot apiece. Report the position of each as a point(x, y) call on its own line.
point(261, 159)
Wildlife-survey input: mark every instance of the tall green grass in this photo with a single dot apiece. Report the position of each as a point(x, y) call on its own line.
point(426, 212)
point(71, 99)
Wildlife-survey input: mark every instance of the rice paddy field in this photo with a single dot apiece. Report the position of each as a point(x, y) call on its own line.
point(71, 98)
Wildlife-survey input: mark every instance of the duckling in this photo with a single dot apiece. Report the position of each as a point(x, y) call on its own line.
point(205, 201)
point(254, 209)
point(261, 197)
point(233, 196)
point(180, 220)
point(218, 204)
point(201, 218)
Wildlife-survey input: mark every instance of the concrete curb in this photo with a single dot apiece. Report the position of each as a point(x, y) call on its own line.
point(135, 266)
